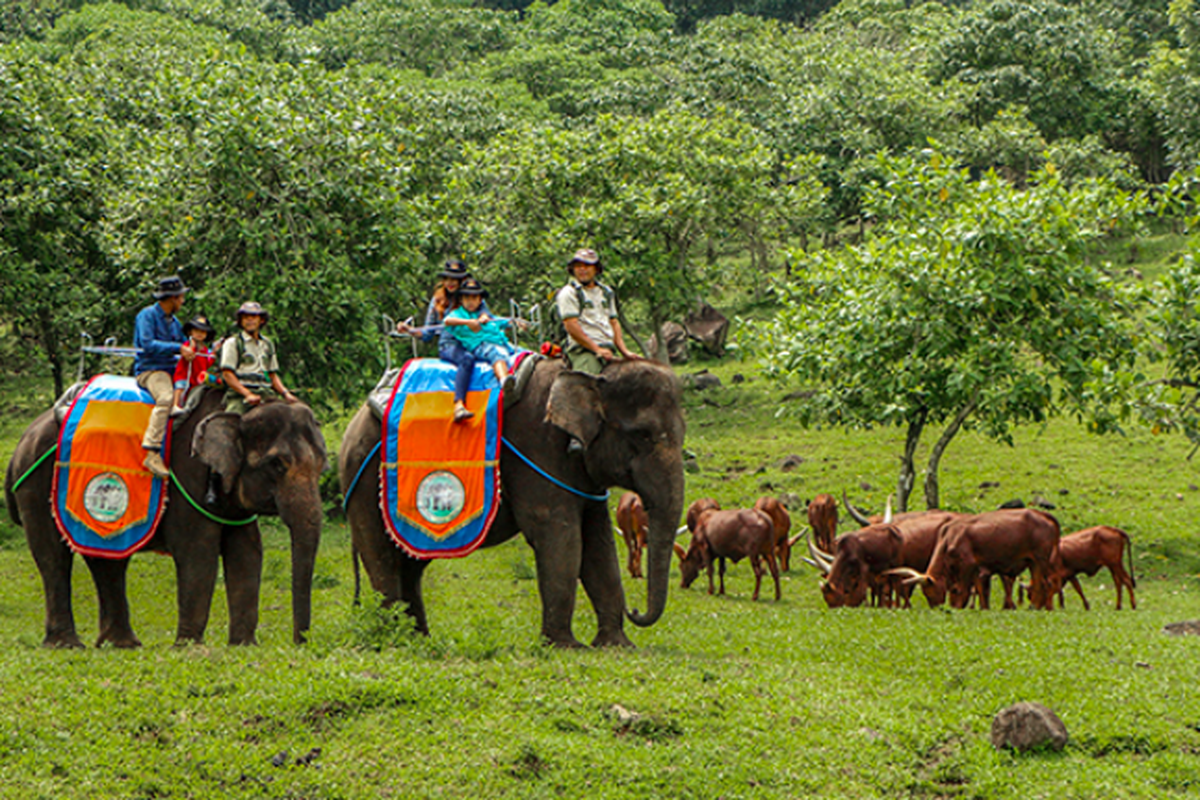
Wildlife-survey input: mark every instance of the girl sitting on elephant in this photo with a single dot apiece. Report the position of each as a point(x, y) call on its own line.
point(482, 335)
point(445, 299)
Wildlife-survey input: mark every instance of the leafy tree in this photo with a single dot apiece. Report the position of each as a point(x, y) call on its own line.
point(1175, 81)
point(974, 305)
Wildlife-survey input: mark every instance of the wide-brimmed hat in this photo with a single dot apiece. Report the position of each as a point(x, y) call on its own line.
point(171, 286)
point(472, 287)
point(199, 323)
point(252, 309)
point(453, 268)
point(585, 255)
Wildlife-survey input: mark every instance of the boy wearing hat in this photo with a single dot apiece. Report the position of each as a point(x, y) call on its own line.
point(248, 363)
point(481, 335)
point(194, 372)
point(159, 339)
point(588, 310)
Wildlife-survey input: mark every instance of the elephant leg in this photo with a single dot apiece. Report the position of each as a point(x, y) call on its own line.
point(557, 548)
point(54, 561)
point(600, 574)
point(242, 558)
point(109, 576)
point(411, 571)
point(197, 556)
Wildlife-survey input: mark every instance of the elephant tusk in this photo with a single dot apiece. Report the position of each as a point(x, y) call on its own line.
point(858, 516)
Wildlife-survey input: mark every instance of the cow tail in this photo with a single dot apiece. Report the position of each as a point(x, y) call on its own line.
point(1129, 549)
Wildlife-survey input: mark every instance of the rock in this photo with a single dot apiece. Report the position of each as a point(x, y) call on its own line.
point(1064, 492)
point(691, 465)
point(990, 485)
point(623, 717)
point(866, 487)
point(676, 337)
point(1189, 628)
point(1040, 502)
point(791, 462)
point(1016, 502)
point(701, 380)
point(799, 394)
point(709, 327)
point(792, 501)
point(737, 377)
point(1028, 726)
point(279, 759)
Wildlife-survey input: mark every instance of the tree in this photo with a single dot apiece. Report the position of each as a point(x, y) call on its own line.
point(973, 305)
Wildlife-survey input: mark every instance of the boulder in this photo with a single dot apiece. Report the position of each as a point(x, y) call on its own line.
point(709, 327)
point(676, 337)
point(1028, 726)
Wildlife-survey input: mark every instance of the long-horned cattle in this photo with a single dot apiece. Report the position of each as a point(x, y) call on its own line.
point(734, 534)
point(1002, 542)
point(858, 566)
point(823, 519)
point(1088, 550)
point(783, 526)
point(634, 524)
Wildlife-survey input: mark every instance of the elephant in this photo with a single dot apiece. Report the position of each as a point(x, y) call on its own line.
point(630, 423)
point(267, 461)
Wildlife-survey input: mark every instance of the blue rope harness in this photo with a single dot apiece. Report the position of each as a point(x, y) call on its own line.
point(599, 498)
point(363, 466)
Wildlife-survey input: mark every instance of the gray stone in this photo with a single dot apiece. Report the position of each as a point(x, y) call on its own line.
point(1028, 726)
point(1188, 628)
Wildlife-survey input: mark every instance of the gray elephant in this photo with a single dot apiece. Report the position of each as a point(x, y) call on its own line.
point(631, 425)
point(268, 462)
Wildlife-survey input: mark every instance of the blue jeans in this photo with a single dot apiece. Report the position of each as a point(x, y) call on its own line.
point(462, 358)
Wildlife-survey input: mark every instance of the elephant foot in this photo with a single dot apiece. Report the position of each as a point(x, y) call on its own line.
point(241, 641)
point(615, 638)
point(128, 641)
point(63, 641)
point(567, 642)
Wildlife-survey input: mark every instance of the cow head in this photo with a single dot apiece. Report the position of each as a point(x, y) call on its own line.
point(692, 560)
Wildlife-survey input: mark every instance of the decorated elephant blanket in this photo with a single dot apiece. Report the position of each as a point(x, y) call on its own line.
point(439, 479)
point(105, 502)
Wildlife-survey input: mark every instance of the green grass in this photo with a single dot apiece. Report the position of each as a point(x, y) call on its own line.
point(737, 699)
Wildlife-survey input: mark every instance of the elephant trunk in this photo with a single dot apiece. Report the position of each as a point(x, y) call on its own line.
point(303, 519)
point(664, 517)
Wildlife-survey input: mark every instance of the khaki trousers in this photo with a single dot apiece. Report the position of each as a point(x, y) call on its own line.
point(161, 386)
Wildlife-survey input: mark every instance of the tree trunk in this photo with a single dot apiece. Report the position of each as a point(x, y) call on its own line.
point(628, 330)
point(932, 500)
point(908, 472)
point(657, 319)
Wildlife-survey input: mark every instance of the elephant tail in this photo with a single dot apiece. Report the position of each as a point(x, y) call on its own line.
point(357, 577)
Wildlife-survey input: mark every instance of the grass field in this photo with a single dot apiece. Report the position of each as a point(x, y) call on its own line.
point(735, 699)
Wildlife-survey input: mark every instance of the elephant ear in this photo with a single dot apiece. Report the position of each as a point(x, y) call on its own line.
point(575, 405)
point(218, 443)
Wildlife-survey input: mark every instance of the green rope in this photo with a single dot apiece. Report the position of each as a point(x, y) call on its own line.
point(36, 464)
point(205, 511)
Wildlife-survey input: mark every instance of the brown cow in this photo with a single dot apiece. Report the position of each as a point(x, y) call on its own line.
point(1003, 543)
point(823, 519)
point(919, 533)
point(1088, 550)
point(783, 526)
point(697, 508)
point(733, 534)
point(860, 559)
point(634, 524)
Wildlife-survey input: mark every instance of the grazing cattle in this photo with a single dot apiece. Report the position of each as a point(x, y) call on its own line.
point(823, 519)
point(919, 535)
point(1000, 542)
point(733, 534)
point(783, 526)
point(634, 524)
point(697, 508)
point(860, 559)
point(1088, 550)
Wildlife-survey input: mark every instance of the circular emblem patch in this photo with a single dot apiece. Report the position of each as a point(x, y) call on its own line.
point(440, 497)
point(106, 497)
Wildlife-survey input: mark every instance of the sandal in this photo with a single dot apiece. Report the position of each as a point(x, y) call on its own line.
point(462, 414)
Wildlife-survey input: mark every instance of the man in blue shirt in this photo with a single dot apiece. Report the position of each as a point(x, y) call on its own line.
point(159, 338)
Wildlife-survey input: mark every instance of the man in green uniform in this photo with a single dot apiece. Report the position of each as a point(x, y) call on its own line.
point(588, 310)
point(249, 365)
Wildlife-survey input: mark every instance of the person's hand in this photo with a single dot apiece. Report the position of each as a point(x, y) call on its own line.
point(253, 399)
point(289, 397)
point(485, 318)
point(630, 355)
point(187, 352)
point(404, 327)
point(604, 354)
point(475, 325)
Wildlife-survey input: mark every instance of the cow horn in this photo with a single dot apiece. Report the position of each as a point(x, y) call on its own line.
point(679, 551)
point(681, 530)
point(887, 514)
point(815, 566)
point(823, 559)
point(859, 517)
point(909, 574)
point(801, 535)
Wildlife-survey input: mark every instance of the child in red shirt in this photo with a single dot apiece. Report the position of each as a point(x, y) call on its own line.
point(193, 373)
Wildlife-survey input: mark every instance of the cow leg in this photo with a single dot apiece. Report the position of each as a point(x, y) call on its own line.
point(1079, 590)
point(756, 565)
point(710, 576)
point(721, 572)
point(1008, 589)
point(773, 565)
